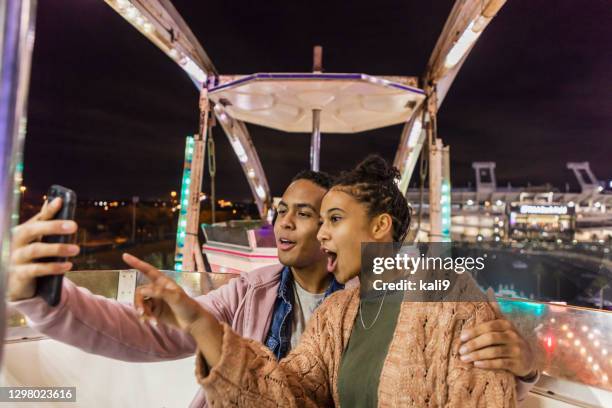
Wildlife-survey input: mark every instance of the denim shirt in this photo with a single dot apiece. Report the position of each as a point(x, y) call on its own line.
point(279, 336)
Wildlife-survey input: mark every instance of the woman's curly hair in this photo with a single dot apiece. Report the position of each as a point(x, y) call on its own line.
point(373, 182)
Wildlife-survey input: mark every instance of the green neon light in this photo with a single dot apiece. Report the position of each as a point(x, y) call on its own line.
point(184, 200)
point(445, 204)
point(510, 306)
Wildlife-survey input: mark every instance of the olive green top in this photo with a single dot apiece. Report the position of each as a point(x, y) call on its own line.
point(365, 354)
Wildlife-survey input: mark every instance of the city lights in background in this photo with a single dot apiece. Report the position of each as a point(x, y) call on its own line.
point(184, 200)
point(585, 340)
point(558, 334)
point(224, 203)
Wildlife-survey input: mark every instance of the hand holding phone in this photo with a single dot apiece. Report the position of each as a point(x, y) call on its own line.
point(50, 287)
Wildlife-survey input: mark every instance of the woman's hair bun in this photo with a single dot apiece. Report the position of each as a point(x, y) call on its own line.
point(372, 183)
point(376, 169)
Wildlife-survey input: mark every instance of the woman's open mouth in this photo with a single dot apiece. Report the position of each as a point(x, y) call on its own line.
point(285, 244)
point(332, 260)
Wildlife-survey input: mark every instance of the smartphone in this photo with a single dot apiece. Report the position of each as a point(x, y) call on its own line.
point(50, 287)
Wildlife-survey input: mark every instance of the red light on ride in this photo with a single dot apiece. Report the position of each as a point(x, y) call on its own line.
point(549, 342)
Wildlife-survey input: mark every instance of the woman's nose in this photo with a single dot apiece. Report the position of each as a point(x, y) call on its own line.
point(322, 235)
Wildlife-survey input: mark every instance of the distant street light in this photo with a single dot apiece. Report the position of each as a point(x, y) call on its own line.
point(173, 194)
point(22, 196)
point(135, 200)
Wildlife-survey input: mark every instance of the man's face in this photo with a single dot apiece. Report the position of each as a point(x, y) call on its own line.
point(297, 224)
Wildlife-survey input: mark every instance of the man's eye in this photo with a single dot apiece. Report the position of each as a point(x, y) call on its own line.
point(303, 214)
point(283, 211)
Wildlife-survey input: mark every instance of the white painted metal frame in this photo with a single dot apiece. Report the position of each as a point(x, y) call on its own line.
point(240, 140)
point(160, 22)
point(17, 19)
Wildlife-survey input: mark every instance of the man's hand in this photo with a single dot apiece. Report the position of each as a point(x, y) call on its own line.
point(497, 344)
point(25, 250)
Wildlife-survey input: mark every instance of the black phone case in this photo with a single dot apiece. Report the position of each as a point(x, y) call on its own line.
point(50, 287)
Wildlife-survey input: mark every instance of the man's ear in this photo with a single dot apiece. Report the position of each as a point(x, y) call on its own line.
point(382, 226)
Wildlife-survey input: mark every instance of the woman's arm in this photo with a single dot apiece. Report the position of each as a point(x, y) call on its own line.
point(242, 372)
point(104, 326)
point(247, 373)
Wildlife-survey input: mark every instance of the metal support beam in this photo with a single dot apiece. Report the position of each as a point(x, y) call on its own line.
point(464, 25)
point(410, 147)
point(317, 59)
point(315, 140)
point(436, 153)
point(16, 40)
point(192, 253)
point(161, 24)
point(238, 136)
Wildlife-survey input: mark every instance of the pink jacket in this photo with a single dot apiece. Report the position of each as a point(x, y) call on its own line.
point(106, 327)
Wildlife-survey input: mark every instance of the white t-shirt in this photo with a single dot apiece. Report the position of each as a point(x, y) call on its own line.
point(304, 305)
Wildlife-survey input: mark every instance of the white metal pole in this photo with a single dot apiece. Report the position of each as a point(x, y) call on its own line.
point(435, 190)
point(191, 244)
point(16, 40)
point(315, 141)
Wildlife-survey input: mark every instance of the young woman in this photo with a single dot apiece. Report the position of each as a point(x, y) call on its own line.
point(353, 353)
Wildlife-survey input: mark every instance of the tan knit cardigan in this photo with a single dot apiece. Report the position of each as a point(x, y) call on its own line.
point(422, 367)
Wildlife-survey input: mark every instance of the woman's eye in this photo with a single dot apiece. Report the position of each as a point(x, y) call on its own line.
point(335, 218)
point(282, 211)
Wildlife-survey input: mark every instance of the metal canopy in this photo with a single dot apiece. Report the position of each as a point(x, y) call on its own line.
point(349, 103)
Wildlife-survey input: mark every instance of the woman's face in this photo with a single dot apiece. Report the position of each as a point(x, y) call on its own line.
point(345, 225)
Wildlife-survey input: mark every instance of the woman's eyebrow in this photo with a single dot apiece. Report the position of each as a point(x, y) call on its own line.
point(335, 209)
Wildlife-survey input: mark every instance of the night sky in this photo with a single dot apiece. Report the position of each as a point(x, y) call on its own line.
point(108, 111)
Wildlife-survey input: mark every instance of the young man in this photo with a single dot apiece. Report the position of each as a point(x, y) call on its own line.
point(270, 304)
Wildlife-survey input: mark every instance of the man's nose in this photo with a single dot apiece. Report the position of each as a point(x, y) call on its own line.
point(286, 222)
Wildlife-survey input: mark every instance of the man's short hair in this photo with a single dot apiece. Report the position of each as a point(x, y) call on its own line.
point(320, 178)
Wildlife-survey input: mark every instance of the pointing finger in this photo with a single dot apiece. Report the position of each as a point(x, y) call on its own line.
point(148, 270)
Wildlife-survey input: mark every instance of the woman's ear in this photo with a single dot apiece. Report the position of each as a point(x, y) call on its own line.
point(382, 227)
